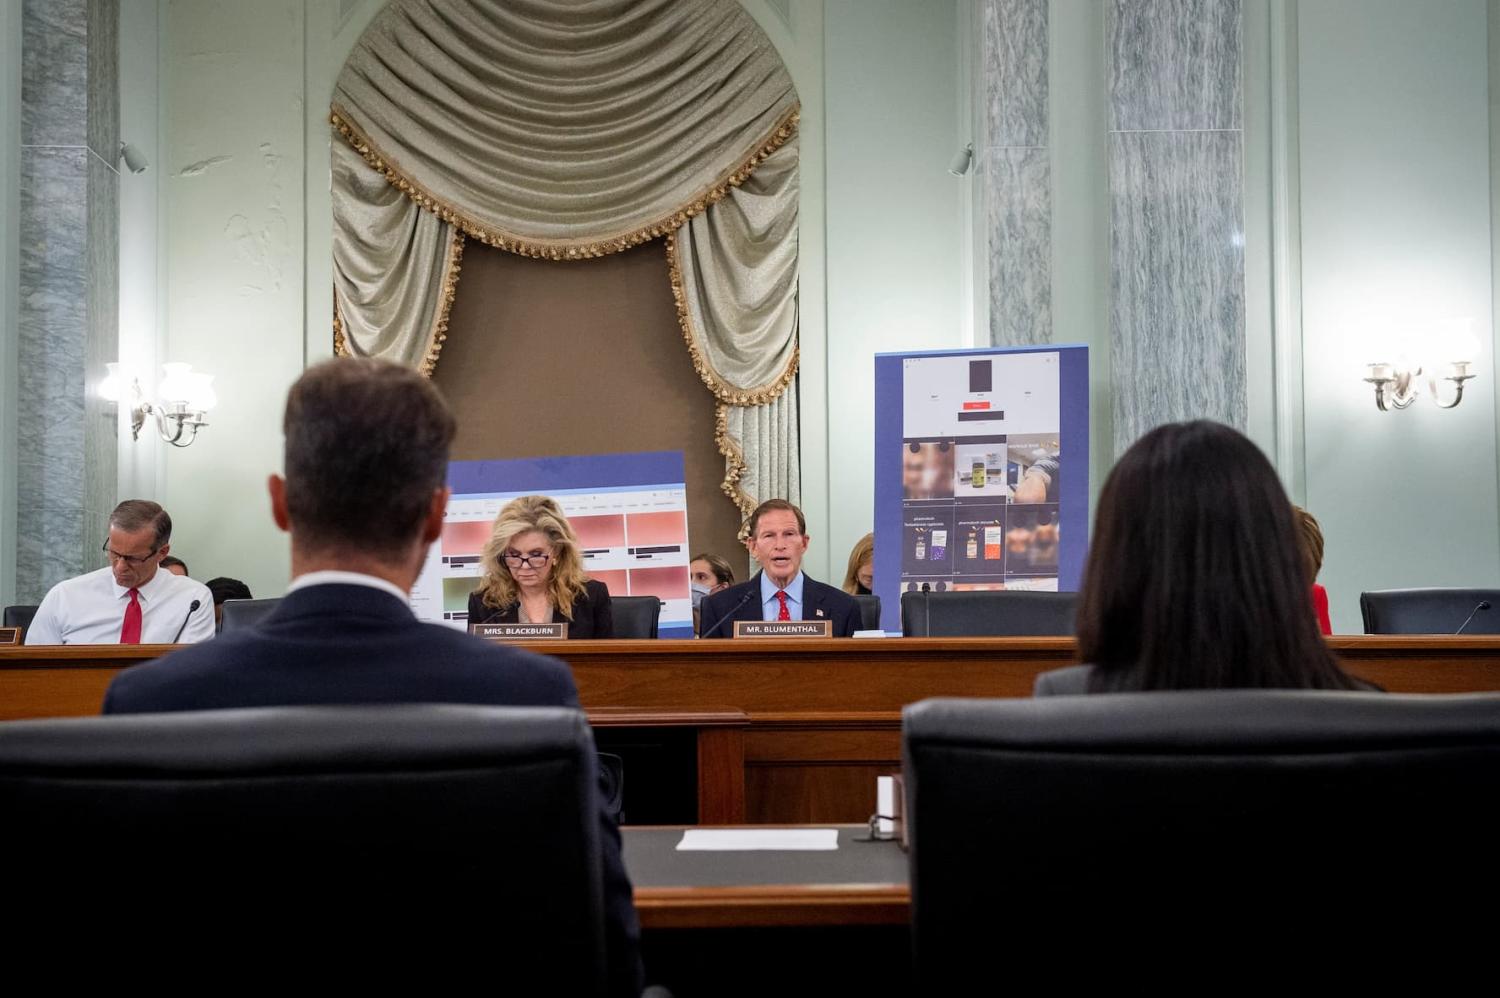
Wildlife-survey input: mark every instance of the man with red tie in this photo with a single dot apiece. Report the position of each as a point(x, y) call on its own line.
point(781, 590)
point(133, 601)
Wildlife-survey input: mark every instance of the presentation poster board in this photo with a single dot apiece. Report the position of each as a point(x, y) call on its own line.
point(629, 510)
point(981, 471)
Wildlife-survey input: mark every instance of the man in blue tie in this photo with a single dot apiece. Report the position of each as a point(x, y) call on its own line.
point(780, 590)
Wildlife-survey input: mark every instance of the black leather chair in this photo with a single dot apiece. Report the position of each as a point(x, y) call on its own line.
point(636, 616)
point(869, 612)
point(253, 826)
point(987, 614)
point(1264, 819)
point(1430, 611)
point(19, 615)
point(239, 614)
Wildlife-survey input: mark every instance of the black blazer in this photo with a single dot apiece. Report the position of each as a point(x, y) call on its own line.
point(744, 602)
point(1073, 680)
point(592, 615)
point(350, 644)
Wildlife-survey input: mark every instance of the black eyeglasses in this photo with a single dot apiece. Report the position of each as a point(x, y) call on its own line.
point(530, 560)
point(129, 559)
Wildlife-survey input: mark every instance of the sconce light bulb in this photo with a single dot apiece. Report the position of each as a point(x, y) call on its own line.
point(111, 388)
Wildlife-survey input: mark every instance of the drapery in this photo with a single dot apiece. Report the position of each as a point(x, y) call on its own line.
point(567, 129)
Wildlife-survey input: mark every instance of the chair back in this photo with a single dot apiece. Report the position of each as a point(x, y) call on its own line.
point(239, 614)
point(20, 615)
point(1146, 817)
point(869, 612)
point(987, 614)
point(402, 816)
point(635, 616)
point(1430, 611)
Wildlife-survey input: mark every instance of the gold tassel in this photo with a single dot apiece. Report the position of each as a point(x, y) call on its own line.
point(734, 465)
point(779, 135)
point(340, 341)
point(445, 303)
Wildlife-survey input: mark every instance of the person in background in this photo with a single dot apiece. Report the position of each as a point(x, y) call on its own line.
point(131, 601)
point(859, 578)
point(225, 589)
point(366, 458)
point(707, 574)
point(533, 573)
point(1310, 540)
point(175, 565)
point(1194, 577)
point(778, 539)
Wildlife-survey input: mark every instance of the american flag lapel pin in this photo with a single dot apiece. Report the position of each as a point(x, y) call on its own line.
point(818, 612)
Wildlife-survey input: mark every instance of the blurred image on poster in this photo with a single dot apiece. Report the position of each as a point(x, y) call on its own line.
point(927, 469)
point(1035, 468)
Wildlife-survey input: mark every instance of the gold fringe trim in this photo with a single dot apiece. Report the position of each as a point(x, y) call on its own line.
point(734, 466)
point(340, 341)
point(445, 304)
point(723, 390)
point(779, 135)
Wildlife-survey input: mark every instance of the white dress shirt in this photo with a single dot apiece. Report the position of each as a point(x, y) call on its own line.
point(771, 606)
point(333, 577)
point(90, 610)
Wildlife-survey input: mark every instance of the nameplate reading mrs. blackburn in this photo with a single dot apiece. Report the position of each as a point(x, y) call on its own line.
point(519, 632)
point(10, 635)
point(783, 628)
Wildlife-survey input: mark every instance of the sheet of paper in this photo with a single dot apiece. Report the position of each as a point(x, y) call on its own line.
point(885, 803)
point(758, 839)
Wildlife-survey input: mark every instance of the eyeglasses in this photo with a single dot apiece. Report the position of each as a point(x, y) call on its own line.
point(529, 560)
point(129, 559)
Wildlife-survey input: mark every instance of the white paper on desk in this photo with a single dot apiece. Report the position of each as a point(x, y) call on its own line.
point(759, 839)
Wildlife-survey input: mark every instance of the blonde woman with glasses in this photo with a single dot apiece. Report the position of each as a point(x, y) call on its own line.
point(533, 573)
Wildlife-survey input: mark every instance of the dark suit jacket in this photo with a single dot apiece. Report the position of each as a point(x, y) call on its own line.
point(592, 615)
point(350, 644)
point(835, 604)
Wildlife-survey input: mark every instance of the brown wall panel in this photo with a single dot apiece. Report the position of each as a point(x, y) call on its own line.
point(583, 357)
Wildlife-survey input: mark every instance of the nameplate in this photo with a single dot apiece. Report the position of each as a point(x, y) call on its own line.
point(519, 632)
point(783, 628)
point(10, 635)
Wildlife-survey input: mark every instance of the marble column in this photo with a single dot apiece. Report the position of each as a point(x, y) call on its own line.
point(1014, 173)
point(69, 321)
point(1176, 192)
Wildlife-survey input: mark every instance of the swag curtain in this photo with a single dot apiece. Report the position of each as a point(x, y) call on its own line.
point(568, 130)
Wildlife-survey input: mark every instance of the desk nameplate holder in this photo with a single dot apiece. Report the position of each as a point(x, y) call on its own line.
point(783, 628)
point(519, 632)
point(10, 635)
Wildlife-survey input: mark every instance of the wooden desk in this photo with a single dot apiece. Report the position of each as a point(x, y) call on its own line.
point(824, 716)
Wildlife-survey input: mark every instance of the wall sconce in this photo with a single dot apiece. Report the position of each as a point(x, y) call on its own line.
point(1396, 385)
point(185, 397)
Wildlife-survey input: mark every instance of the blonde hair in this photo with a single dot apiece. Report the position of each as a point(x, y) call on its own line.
point(1309, 542)
point(498, 589)
point(863, 550)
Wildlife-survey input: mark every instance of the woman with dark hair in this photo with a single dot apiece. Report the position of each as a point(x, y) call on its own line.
point(1194, 577)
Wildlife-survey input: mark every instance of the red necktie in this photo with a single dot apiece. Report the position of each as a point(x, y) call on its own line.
point(784, 614)
point(130, 631)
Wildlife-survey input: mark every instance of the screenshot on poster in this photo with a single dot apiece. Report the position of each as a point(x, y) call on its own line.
point(981, 471)
point(629, 511)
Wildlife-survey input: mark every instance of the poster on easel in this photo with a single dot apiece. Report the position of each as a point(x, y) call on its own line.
point(628, 510)
point(981, 471)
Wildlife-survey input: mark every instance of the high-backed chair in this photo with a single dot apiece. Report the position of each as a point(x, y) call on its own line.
point(869, 612)
point(239, 614)
point(1430, 611)
point(19, 615)
point(987, 614)
point(243, 823)
point(636, 616)
point(1260, 818)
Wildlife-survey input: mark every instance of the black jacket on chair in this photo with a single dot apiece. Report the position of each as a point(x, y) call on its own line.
point(744, 602)
point(592, 616)
point(352, 644)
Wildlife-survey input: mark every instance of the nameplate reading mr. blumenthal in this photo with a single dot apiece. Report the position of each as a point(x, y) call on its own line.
point(519, 632)
point(783, 628)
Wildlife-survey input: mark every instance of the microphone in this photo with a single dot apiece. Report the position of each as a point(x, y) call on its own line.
point(486, 620)
point(192, 610)
point(732, 611)
point(1484, 604)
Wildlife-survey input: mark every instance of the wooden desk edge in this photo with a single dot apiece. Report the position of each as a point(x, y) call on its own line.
point(771, 905)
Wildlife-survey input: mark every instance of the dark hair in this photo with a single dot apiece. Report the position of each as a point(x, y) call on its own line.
point(722, 572)
point(1310, 540)
point(767, 507)
point(171, 560)
point(224, 589)
point(366, 446)
point(138, 514)
point(1194, 577)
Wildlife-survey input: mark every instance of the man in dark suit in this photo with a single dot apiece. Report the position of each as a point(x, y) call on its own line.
point(363, 498)
point(780, 590)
